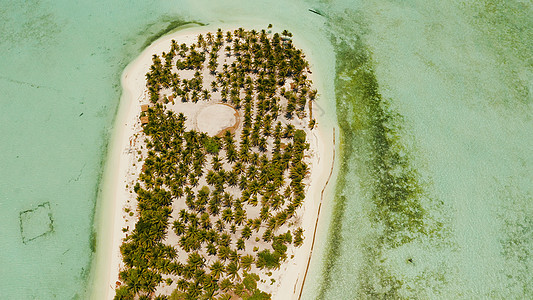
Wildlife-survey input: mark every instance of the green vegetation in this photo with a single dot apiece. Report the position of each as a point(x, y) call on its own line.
point(219, 196)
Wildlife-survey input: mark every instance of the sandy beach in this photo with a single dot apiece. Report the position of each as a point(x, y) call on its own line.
point(117, 211)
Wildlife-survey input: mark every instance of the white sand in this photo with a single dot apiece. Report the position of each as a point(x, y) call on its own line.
point(123, 168)
point(215, 118)
point(322, 145)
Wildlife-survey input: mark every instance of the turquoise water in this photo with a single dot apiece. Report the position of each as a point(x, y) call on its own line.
point(435, 199)
point(433, 100)
point(59, 83)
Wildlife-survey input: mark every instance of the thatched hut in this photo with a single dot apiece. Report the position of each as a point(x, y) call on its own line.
point(144, 120)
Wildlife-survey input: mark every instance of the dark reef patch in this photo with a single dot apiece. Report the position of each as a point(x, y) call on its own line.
point(371, 148)
point(171, 25)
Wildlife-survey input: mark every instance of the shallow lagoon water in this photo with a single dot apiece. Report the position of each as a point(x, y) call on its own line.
point(59, 78)
point(435, 102)
point(444, 132)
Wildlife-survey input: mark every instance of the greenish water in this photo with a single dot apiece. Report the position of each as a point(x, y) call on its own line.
point(59, 78)
point(435, 197)
point(433, 100)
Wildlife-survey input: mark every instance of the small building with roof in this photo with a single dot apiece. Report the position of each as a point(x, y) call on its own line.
point(144, 120)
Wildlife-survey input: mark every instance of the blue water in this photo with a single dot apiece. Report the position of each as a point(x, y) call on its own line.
point(448, 125)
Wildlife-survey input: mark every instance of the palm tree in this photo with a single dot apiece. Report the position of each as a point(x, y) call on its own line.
point(176, 191)
point(226, 284)
point(217, 269)
point(220, 225)
point(211, 249)
point(214, 207)
point(193, 222)
point(183, 284)
point(201, 40)
point(240, 244)
point(227, 215)
point(238, 167)
point(264, 214)
point(209, 38)
point(240, 32)
point(256, 224)
point(184, 216)
point(190, 201)
point(223, 252)
point(231, 154)
point(216, 164)
point(214, 87)
point(150, 281)
point(165, 266)
point(123, 293)
point(229, 39)
point(210, 286)
point(243, 183)
point(246, 262)
point(298, 237)
point(205, 221)
point(194, 291)
point(177, 268)
point(196, 261)
point(132, 278)
point(246, 232)
point(231, 178)
point(224, 240)
point(232, 269)
point(267, 235)
point(206, 95)
point(211, 177)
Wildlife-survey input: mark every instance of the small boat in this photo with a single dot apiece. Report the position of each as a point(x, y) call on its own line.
point(316, 12)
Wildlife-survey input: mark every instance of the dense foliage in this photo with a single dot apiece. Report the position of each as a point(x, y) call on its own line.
point(229, 199)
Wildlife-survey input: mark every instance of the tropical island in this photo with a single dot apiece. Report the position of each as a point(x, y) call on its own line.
point(219, 168)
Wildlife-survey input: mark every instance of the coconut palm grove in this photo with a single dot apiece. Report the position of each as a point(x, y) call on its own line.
point(217, 214)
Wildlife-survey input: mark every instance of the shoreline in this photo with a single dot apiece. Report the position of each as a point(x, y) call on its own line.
point(121, 168)
point(318, 217)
